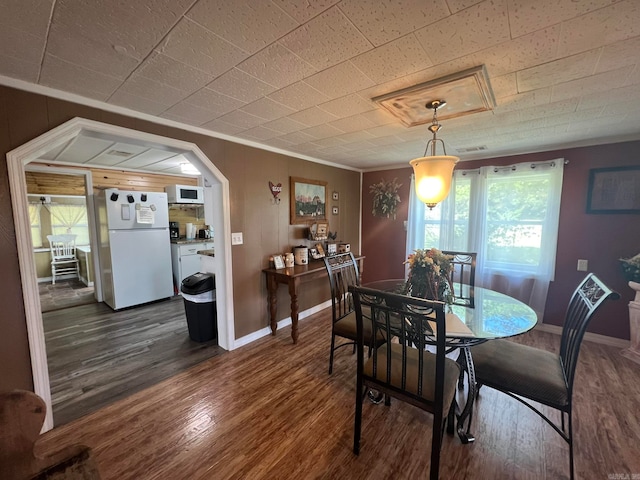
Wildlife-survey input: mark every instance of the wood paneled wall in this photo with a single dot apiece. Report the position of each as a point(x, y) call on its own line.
point(24, 116)
point(41, 183)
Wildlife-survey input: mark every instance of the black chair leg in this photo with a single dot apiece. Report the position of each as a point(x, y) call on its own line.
point(451, 418)
point(358, 419)
point(333, 346)
point(461, 360)
point(571, 471)
point(436, 445)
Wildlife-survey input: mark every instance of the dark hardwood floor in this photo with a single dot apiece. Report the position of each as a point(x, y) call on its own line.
point(97, 356)
point(269, 410)
point(64, 294)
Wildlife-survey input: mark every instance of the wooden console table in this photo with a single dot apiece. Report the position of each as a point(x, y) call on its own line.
point(293, 277)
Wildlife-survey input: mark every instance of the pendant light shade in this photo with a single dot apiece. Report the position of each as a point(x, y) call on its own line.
point(433, 173)
point(433, 177)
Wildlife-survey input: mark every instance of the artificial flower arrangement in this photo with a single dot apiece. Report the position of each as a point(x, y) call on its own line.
point(430, 275)
point(631, 268)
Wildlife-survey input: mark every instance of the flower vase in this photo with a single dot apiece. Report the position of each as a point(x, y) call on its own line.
point(427, 287)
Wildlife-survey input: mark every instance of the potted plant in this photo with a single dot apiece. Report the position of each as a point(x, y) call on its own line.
point(385, 198)
point(631, 268)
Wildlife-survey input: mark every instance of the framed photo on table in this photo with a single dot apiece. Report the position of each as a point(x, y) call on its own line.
point(308, 202)
point(614, 190)
point(278, 262)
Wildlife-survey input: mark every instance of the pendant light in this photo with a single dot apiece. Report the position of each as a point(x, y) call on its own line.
point(433, 173)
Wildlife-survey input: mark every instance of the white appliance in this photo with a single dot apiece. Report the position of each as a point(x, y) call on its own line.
point(184, 194)
point(135, 249)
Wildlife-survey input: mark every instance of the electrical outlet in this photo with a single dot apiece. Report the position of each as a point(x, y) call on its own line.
point(583, 265)
point(236, 238)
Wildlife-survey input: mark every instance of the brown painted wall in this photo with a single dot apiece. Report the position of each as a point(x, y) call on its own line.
point(601, 239)
point(24, 116)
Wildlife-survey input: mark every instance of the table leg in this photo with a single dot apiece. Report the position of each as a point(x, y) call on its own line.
point(465, 435)
point(293, 293)
point(272, 293)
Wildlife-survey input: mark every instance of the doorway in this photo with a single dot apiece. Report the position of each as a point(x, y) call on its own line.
point(217, 195)
point(58, 205)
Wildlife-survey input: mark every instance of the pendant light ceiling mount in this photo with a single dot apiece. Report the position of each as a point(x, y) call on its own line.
point(433, 172)
point(473, 94)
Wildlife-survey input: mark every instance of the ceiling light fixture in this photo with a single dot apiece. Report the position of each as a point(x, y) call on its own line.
point(433, 173)
point(189, 169)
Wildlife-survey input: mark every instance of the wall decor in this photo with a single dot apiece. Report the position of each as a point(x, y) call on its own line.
point(335, 196)
point(385, 198)
point(614, 190)
point(275, 191)
point(334, 210)
point(308, 201)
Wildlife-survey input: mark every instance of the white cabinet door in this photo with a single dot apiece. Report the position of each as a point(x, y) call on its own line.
point(189, 264)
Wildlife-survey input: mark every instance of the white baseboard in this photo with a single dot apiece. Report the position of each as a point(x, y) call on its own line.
point(591, 337)
point(263, 332)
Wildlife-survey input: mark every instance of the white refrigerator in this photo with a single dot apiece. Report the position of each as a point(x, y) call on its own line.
point(135, 248)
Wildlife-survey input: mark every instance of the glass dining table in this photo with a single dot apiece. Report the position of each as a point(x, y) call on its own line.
point(477, 316)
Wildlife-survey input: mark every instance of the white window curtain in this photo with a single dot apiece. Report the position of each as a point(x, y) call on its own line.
point(509, 216)
point(34, 221)
point(415, 223)
point(70, 219)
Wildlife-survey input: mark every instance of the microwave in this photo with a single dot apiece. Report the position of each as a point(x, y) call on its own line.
point(184, 194)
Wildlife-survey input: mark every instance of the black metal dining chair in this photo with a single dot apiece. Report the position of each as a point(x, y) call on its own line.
point(463, 276)
point(402, 368)
point(343, 272)
point(531, 374)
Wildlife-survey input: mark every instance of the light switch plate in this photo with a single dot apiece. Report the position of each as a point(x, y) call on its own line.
point(236, 238)
point(583, 265)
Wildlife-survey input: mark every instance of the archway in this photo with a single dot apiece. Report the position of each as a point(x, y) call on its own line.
point(217, 200)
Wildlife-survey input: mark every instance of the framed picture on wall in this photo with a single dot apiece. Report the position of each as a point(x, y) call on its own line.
point(308, 202)
point(614, 190)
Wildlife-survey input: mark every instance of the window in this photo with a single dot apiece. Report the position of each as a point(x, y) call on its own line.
point(68, 218)
point(508, 215)
point(56, 215)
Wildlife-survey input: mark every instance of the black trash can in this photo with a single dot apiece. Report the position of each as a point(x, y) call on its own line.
point(199, 293)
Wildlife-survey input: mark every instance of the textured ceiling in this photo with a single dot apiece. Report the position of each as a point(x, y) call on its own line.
point(298, 76)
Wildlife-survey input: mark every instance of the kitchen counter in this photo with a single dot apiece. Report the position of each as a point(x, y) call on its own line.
point(209, 252)
point(184, 241)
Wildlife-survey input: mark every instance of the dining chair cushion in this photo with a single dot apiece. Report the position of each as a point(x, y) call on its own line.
point(531, 372)
point(451, 372)
point(346, 327)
